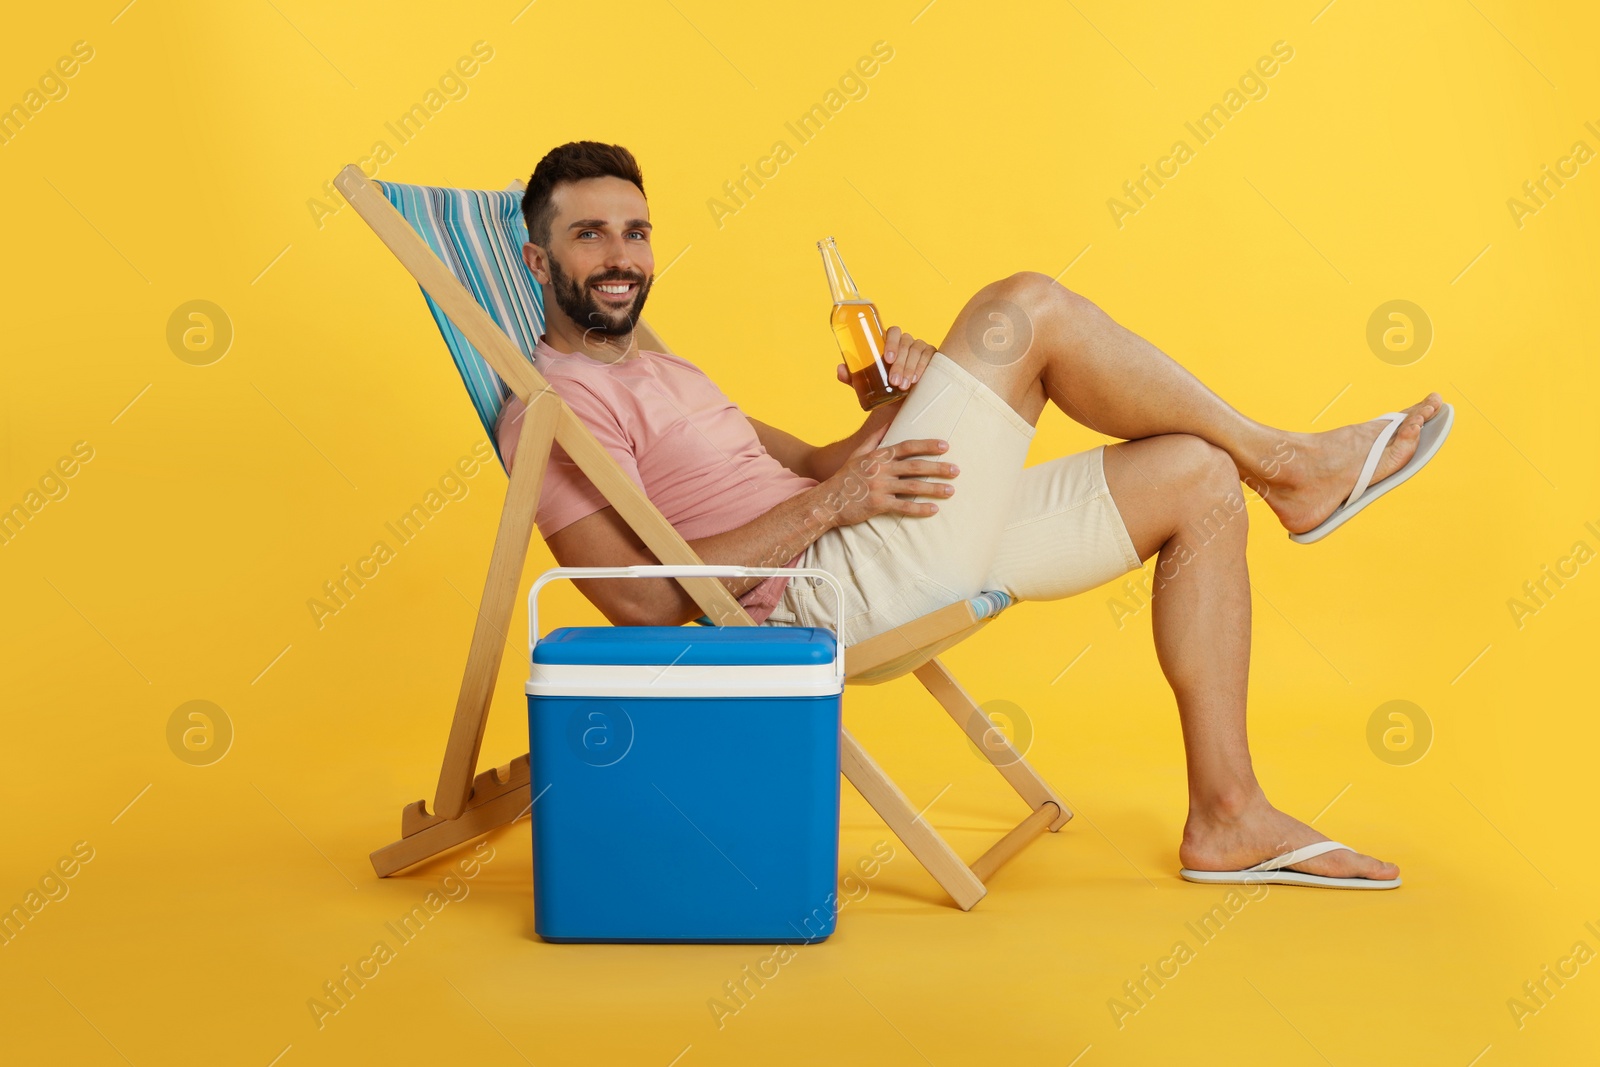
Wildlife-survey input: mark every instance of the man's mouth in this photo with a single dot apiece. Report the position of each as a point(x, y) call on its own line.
point(617, 291)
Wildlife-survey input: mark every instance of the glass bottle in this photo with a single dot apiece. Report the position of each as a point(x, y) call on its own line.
point(858, 331)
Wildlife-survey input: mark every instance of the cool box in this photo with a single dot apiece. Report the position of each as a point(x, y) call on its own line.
point(685, 778)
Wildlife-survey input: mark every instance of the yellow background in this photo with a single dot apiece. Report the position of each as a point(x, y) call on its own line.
point(178, 567)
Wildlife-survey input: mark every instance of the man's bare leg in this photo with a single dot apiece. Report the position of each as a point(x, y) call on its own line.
point(1176, 485)
point(1115, 382)
point(1179, 496)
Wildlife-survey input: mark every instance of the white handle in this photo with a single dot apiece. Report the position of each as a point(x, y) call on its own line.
point(658, 570)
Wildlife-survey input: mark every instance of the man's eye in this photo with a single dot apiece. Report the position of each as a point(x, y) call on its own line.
point(585, 233)
point(639, 233)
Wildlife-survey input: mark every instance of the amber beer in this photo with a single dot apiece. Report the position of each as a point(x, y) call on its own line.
point(858, 331)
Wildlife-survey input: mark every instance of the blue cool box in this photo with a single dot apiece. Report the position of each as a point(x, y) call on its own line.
point(686, 783)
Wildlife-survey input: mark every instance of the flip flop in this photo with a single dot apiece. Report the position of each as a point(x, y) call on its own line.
point(1434, 431)
point(1271, 872)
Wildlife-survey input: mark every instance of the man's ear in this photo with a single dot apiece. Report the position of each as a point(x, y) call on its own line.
point(534, 257)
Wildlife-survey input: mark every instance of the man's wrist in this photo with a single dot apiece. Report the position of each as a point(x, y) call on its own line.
point(876, 424)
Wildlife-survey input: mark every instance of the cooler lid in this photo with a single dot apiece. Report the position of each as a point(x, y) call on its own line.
point(687, 646)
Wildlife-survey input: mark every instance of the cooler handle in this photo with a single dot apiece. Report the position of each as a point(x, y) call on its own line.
point(658, 570)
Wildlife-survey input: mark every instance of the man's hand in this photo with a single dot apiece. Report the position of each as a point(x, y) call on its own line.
point(905, 355)
point(873, 480)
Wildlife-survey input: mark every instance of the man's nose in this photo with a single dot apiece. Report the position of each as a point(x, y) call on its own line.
point(619, 256)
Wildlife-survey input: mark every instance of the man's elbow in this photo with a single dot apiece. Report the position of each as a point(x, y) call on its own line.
point(659, 615)
point(631, 602)
point(644, 611)
point(622, 611)
point(629, 615)
point(508, 430)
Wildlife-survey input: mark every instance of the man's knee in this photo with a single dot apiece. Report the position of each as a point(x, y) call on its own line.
point(1206, 484)
point(1196, 464)
point(1039, 295)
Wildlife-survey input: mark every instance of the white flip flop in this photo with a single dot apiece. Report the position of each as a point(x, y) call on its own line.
point(1271, 872)
point(1434, 431)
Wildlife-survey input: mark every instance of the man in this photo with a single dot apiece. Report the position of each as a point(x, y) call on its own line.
point(881, 509)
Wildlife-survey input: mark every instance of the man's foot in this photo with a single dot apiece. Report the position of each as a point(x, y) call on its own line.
point(1303, 487)
point(1218, 841)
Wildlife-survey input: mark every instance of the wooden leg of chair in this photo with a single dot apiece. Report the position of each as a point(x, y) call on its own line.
point(495, 610)
point(1033, 789)
point(1015, 841)
point(924, 842)
point(499, 796)
point(448, 833)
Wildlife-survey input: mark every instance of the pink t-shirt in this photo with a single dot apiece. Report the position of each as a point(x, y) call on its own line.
point(676, 434)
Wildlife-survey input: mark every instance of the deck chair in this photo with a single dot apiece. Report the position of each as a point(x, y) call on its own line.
point(464, 248)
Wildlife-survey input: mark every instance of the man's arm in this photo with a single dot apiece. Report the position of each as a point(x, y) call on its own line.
point(603, 539)
point(906, 356)
point(878, 480)
point(820, 461)
point(869, 481)
point(786, 448)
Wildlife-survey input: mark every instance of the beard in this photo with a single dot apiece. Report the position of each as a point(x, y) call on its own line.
point(583, 307)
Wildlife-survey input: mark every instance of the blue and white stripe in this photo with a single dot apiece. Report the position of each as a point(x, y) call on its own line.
point(478, 234)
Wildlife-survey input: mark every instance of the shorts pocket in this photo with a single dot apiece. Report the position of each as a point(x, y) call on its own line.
point(895, 602)
point(815, 603)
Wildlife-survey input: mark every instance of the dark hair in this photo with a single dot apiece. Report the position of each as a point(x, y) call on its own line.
point(573, 161)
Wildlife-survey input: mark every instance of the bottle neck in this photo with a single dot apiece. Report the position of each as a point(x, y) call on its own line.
point(840, 285)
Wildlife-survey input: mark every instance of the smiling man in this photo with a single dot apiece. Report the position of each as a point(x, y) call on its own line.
point(880, 508)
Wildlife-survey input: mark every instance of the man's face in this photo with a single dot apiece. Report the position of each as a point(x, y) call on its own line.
point(599, 265)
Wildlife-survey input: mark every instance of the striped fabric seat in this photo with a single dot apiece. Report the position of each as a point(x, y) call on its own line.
point(479, 235)
point(992, 602)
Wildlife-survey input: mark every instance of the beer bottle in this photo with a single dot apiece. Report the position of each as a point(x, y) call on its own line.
point(858, 331)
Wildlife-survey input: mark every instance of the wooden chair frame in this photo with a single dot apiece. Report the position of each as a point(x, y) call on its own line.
point(467, 804)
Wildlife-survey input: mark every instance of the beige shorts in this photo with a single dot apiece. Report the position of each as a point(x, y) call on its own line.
point(1038, 533)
